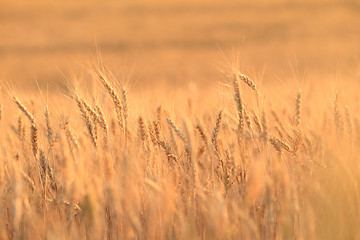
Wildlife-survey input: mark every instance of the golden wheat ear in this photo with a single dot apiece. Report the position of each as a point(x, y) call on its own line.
point(238, 103)
point(24, 110)
point(116, 100)
point(216, 128)
point(298, 109)
point(34, 129)
point(89, 118)
point(247, 80)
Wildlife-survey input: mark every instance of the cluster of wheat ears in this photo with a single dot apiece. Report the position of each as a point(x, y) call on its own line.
point(243, 171)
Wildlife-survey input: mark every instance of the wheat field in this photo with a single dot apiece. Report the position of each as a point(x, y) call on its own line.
point(95, 165)
point(170, 133)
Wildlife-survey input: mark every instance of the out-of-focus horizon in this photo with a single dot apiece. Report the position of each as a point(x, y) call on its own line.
point(177, 42)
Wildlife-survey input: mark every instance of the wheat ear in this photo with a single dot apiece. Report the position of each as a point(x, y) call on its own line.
point(24, 110)
point(125, 111)
point(87, 119)
point(176, 129)
point(238, 102)
point(142, 129)
point(202, 133)
point(34, 129)
point(297, 109)
point(338, 117)
point(34, 139)
point(246, 79)
point(116, 101)
point(216, 128)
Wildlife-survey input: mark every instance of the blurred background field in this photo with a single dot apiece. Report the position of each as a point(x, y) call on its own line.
point(177, 42)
